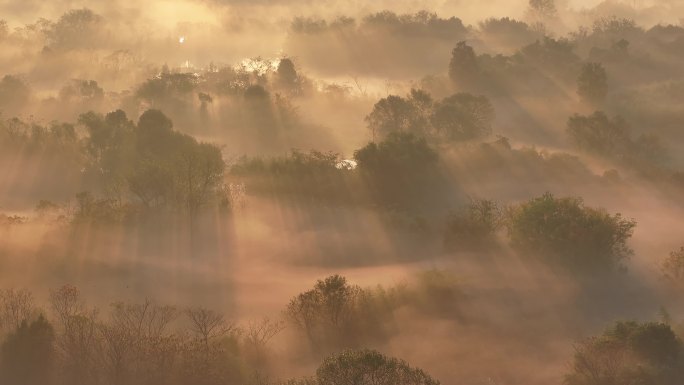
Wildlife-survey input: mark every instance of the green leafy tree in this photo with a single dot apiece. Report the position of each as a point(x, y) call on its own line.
point(325, 313)
point(160, 166)
point(110, 145)
point(75, 29)
point(399, 171)
point(152, 183)
point(395, 114)
point(463, 116)
point(460, 116)
point(566, 233)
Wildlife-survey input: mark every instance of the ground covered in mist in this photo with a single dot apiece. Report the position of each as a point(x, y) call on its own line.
point(227, 192)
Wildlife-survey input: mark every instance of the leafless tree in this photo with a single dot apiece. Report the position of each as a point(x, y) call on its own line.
point(208, 325)
point(15, 307)
point(77, 334)
point(259, 333)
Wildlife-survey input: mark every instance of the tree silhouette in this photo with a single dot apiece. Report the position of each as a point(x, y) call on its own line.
point(592, 84)
point(28, 354)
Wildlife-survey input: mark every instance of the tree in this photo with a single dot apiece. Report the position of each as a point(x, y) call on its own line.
point(199, 171)
point(629, 353)
point(610, 138)
point(208, 325)
point(28, 354)
point(153, 127)
point(257, 335)
point(508, 33)
point(14, 94)
point(205, 99)
point(460, 116)
point(76, 334)
point(565, 233)
point(160, 165)
point(83, 91)
point(475, 227)
point(136, 345)
point(598, 134)
point(543, 7)
point(369, 367)
point(400, 170)
point(210, 356)
point(463, 67)
point(336, 314)
point(110, 145)
point(152, 183)
point(75, 29)
point(287, 78)
point(542, 10)
point(672, 268)
point(16, 306)
point(555, 56)
point(592, 84)
point(325, 312)
point(403, 152)
point(395, 114)
point(615, 26)
point(167, 87)
point(463, 116)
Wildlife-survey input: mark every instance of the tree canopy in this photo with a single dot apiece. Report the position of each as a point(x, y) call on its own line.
point(629, 353)
point(566, 233)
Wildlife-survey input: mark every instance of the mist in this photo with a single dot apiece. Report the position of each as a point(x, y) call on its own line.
point(341, 192)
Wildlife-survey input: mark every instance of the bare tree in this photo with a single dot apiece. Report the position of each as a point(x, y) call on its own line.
point(66, 304)
point(77, 334)
point(135, 338)
point(15, 306)
point(259, 333)
point(208, 325)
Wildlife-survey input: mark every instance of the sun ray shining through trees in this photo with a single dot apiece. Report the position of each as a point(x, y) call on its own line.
point(355, 192)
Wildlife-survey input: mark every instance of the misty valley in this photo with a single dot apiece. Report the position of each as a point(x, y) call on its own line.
point(219, 192)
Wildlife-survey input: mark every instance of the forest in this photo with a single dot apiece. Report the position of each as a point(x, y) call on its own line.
point(341, 192)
